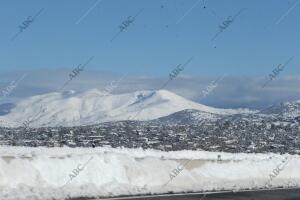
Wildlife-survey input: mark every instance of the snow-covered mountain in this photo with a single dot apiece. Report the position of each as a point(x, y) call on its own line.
point(188, 116)
point(285, 109)
point(93, 106)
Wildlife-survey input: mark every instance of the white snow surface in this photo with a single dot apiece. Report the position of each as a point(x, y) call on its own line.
point(42, 173)
point(94, 106)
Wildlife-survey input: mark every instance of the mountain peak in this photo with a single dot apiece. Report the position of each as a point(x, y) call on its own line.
point(94, 106)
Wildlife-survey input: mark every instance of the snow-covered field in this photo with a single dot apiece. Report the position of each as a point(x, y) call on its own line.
point(45, 173)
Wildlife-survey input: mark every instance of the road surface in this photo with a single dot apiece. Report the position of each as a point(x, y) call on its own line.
point(276, 194)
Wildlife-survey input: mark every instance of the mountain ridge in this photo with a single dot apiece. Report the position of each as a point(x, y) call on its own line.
point(94, 106)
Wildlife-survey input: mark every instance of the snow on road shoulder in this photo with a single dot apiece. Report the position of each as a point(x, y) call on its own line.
point(48, 173)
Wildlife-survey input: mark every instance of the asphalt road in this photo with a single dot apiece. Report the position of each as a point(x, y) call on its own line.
point(278, 194)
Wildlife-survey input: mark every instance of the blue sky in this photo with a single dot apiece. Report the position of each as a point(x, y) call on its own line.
point(64, 35)
point(153, 44)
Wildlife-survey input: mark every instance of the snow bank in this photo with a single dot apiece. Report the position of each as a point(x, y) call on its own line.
point(58, 173)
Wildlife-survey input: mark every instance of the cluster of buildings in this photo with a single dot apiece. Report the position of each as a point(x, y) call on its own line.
point(227, 135)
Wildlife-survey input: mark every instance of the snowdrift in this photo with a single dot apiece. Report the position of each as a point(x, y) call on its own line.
point(58, 173)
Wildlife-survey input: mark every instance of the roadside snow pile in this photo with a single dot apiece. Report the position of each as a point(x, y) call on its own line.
point(58, 173)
